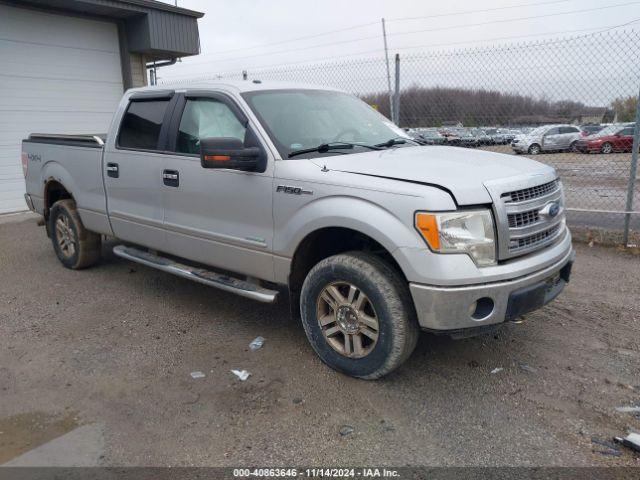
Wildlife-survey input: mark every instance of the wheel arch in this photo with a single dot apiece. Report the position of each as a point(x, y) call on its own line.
point(326, 242)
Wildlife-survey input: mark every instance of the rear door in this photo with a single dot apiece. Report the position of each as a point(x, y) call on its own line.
point(568, 135)
point(133, 167)
point(220, 217)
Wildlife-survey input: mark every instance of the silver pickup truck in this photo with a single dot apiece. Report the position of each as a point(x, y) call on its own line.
point(251, 187)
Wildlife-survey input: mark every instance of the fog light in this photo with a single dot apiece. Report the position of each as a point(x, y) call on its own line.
point(482, 308)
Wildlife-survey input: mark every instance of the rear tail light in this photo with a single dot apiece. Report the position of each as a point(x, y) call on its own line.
point(25, 164)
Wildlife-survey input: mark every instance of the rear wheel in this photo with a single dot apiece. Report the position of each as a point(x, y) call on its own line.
point(534, 149)
point(574, 146)
point(75, 246)
point(358, 315)
point(606, 148)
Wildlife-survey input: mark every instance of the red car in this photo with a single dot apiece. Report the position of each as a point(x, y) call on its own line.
point(614, 138)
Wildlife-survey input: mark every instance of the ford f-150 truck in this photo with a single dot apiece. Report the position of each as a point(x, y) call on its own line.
point(251, 187)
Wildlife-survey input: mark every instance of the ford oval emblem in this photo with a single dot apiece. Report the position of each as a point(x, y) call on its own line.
point(550, 210)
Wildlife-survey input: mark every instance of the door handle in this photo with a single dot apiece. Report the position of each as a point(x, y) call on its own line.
point(171, 178)
point(112, 170)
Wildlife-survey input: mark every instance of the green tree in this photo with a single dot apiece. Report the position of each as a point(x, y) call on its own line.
point(625, 108)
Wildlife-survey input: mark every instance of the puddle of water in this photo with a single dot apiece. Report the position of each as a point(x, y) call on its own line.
point(23, 432)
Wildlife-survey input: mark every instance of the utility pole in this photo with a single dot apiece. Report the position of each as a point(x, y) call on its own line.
point(386, 56)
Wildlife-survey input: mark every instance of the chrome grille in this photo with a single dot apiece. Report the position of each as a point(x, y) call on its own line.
point(531, 192)
point(523, 219)
point(536, 239)
point(523, 214)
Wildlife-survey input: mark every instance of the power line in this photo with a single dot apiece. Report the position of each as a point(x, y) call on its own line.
point(434, 45)
point(400, 19)
point(484, 10)
point(437, 29)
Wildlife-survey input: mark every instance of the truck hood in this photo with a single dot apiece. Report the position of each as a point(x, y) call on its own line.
point(461, 171)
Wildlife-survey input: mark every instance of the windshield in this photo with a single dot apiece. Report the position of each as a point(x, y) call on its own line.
point(300, 119)
point(610, 130)
point(539, 131)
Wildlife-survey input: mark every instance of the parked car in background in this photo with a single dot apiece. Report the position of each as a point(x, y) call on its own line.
point(497, 138)
point(548, 138)
point(467, 139)
point(614, 138)
point(483, 137)
point(591, 129)
point(430, 136)
point(508, 134)
point(415, 135)
point(451, 136)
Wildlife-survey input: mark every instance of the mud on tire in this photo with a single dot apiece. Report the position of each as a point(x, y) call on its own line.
point(75, 246)
point(385, 291)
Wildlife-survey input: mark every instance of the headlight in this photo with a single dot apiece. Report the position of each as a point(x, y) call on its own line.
point(466, 231)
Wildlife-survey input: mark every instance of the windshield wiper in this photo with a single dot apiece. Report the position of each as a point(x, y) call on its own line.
point(326, 147)
point(395, 141)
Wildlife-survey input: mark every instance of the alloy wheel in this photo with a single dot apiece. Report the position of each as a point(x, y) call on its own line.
point(65, 236)
point(347, 320)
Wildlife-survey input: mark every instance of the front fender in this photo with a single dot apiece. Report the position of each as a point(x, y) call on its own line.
point(345, 211)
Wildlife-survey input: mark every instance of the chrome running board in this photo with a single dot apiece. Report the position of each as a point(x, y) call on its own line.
point(200, 275)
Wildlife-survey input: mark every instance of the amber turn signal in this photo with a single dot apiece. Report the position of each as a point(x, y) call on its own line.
point(427, 225)
point(217, 158)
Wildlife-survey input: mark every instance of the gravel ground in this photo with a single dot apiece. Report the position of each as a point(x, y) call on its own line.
point(114, 346)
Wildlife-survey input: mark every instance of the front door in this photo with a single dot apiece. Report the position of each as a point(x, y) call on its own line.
point(219, 217)
point(133, 172)
point(551, 139)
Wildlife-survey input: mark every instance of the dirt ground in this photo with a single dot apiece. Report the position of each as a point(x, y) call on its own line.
point(111, 350)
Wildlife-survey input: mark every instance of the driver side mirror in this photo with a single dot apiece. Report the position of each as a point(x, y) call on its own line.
point(228, 152)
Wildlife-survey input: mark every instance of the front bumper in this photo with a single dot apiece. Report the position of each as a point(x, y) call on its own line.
point(520, 147)
point(588, 148)
point(458, 308)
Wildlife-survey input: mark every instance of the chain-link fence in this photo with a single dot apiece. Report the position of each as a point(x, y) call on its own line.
point(569, 102)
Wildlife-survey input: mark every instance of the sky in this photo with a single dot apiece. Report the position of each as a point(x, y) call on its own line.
point(236, 27)
point(259, 35)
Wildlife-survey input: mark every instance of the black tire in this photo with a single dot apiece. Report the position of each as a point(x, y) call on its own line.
point(389, 296)
point(534, 149)
point(86, 244)
point(574, 146)
point(606, 148)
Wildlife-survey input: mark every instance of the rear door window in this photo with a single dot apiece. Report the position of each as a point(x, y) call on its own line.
point(568, 130)
point(553, 131)
point(141, 124)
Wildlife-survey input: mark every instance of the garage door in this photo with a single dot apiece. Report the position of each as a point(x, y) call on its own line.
point(58, 74)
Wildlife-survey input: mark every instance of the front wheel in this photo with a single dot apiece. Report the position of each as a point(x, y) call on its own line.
point(75, 246)
point(534, 149)
point(358, 316)
point(606, 148)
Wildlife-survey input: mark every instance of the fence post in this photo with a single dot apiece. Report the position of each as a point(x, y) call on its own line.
point(386, 56)
point(633, 171)
point(396, 101)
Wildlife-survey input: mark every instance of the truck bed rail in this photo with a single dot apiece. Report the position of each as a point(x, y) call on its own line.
point(82, 140)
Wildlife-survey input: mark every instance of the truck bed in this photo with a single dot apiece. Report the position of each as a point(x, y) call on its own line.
point(73, 161)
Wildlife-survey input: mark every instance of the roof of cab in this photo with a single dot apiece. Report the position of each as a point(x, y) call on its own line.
point(240, 86)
